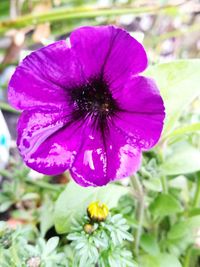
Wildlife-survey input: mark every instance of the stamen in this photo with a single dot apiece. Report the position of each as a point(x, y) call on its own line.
point(95, 99)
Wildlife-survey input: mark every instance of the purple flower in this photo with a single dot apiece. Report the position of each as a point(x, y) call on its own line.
point(85, 108)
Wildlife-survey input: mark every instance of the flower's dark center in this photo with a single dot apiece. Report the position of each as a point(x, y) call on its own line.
point(95, 99)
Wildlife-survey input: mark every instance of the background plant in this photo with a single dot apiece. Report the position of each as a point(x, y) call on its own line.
point(159, 208)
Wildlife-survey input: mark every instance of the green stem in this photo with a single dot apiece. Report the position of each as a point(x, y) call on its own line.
point(38, 183)
point(164, 184)
point(196, 200)
point(6, 107)
point(78, 13)
point(14, 255)
point(194, 127)
point(5, 173)
point(187, 258)
point(45, 185)
point(138, 189)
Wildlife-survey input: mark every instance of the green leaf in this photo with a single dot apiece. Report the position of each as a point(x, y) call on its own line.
point(51, 245)
point(4, 9)
point(184, 228)
point(185, 130)
point(167, 260)
point(153, 184)
point(5, 205)
point(30, 196)
point(179, 230)
point(183, 159)
point(73, 202)
point(149, 261)
point(164, 205)
point(46, 218)
point(149, 244)
point(178, 82)
point(182, 235)
point(162, 260)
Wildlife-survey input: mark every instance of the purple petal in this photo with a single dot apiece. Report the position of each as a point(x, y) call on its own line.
point(41, 78)
point(99, 139)
point(102, 159)
point(48, 141)
point(109, 51)
point(142, 112)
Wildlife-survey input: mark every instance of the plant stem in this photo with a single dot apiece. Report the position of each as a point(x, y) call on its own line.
point(45, 185)
point(196, 200)
point(78, 13)
point(14, 256)
point(5, 173)
point(7, 107)
point(187, 259)
point(138, 189)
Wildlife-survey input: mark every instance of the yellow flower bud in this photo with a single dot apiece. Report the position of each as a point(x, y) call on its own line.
point(97, 211)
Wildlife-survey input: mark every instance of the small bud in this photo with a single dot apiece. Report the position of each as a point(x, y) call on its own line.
point(97, 211)
point(88, 228)
point(34, 262)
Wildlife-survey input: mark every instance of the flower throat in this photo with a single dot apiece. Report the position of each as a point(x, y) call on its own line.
point(94, 99)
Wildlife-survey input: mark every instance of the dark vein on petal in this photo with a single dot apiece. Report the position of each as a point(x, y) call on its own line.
point(141, 112)
point(108, 52)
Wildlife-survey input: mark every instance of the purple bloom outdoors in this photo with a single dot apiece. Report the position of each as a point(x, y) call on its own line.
point(85, 106)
